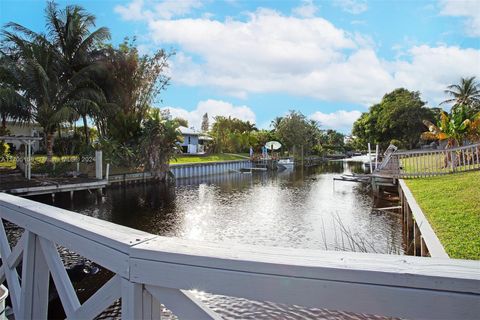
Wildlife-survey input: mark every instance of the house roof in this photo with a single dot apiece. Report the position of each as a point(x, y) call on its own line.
point(193, 132)
point(190, 131)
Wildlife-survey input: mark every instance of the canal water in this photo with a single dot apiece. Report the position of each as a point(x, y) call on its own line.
point(294, 208)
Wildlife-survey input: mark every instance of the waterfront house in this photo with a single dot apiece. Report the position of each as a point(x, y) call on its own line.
point(193, 141)
point(16, 129)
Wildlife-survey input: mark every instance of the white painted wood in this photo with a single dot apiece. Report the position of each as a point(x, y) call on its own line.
point(398, 286)
point(102, 299)
point(97, 251)
point(147, 305)
point(17, 253)
point(35, 280)
point(432, 242)
point(182, 303)
point(132, 300)
point(10, 273)
point(64, 287)
point(337, 295)
point(449, 274)
point(98, 164)
point(104, 242)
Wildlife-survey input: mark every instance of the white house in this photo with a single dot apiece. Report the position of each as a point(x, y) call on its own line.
point(23, 130)
point(193, 141)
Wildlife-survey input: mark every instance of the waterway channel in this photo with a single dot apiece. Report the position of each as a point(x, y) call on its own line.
point(300, 208)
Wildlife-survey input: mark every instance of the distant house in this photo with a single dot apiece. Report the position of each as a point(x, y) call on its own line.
point(23, 130)
point(193, 141)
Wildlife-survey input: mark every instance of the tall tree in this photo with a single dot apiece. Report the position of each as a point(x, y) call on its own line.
point(296, 131)
point(181, 121)
point(160, 137)
point(231, 134)
point(132, 84)
point(466, 93)
point(205, 124)
point(276, 122)
point(71, 32)
point(398, 116)
point(13, 105)
point(43, 83)
point(51, 70)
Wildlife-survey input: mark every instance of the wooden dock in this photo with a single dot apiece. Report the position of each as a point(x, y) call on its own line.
point(37, 186)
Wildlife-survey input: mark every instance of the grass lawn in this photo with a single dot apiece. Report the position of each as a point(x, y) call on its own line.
point(68, 163)
point(451, 204)
point(437, 163)
point(210, 158)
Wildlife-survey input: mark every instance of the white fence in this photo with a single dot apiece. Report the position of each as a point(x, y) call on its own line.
point(150, 270)
point(424, 163)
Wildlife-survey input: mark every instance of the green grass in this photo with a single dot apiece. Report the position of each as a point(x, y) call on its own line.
point(210, 158)
point(37, 160)
point(425, 163)
point(451, 204)
point(436, 163)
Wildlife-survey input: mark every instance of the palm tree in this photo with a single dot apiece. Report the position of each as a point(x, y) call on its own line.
point(39, 73)
point(466, 93)
point(56, 72)
point(69, 31)
point(276, 122)
point(454, 128)
point(160, 137)
point(13, 105)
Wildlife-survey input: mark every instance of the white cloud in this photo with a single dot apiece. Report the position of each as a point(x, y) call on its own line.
point(165, 9)
point(352, 6)
point(272, 53)
point(131, 12)
point(470, 9)
point(433, 68)
point(339, 120)
point(307, 9)
point(213, 108)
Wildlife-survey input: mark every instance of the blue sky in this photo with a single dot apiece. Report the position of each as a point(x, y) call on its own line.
point(258, 59)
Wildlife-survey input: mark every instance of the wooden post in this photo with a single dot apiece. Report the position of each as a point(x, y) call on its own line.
point(107, 172)
point(132, 300)
point(98, 164)
point(370, 157)
point(423, 248)
point(376, 156)
point(35, 280)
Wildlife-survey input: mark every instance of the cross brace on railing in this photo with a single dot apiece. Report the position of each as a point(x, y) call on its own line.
point(151, 269)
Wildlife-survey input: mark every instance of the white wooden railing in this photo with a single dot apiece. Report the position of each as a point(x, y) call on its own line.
point(151, 269)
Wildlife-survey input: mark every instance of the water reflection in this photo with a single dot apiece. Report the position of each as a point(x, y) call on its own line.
point(294, 208)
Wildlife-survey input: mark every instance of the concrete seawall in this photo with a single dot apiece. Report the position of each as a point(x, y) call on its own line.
point(207, 168)
point(185, 171)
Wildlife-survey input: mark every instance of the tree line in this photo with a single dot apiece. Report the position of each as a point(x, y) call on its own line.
point(294, 131)
point(402, 117)
point(70, 72)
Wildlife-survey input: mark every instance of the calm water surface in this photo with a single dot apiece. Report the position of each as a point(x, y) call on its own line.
point(300, 209)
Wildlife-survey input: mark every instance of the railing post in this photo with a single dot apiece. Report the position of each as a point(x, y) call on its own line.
point(98, 164)
point(35, 280)
point(132, 300)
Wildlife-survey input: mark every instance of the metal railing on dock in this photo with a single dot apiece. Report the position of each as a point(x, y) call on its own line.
point(151, 269)
point(424, 163)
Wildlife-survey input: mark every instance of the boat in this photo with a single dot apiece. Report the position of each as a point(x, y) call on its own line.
point(287, 163)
